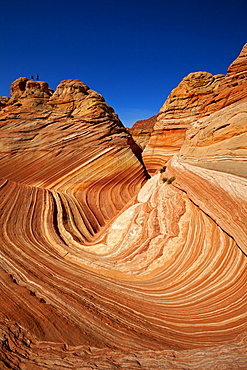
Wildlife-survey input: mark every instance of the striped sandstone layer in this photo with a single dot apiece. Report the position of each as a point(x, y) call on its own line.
point(66, 142)
point(164, 285)
point(199, 95)
point(102, 268)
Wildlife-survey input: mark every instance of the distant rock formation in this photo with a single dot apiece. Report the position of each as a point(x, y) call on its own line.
point(198, 95)
point(142, 129)
point(3, 101)
point(102, 267)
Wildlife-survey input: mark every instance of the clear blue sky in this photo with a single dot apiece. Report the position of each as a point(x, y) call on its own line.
point(132, 52)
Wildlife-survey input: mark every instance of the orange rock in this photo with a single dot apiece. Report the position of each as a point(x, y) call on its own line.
point(101, 267)
point(3, 101)
point(28, 92)
point(198, 95)
point(141, 131)
point(219, 141)
point(68, 142)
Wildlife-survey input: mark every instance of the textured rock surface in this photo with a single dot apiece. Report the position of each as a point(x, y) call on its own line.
point(102, 268)
point(141, 130)
point(198, 95)
point(219, 141)
point(3, 101)
point(165, 277)
point(21, 350)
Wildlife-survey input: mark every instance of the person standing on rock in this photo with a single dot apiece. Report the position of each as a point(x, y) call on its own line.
point(32, 77)
point(37, 77)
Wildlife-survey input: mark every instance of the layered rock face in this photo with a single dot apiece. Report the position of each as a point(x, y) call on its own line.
point(141, 130)
point(197, 96)
point(218, 141)
point(66, 142)
point(104, 268)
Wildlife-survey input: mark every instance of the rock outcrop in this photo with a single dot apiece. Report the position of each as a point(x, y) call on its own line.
point(219, 141)
point(198, 95)
point(141, 130)
point(102, 267)
point(3, 101)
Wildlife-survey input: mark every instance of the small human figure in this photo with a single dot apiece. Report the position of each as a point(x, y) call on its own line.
point(32, 77)
point(37, 77)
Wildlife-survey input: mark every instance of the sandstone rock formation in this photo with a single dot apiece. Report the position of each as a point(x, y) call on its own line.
point(3, 101)
point(102, 267)
point(141, 130)
point(198, 95)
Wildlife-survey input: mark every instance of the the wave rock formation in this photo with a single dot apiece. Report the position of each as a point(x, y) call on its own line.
point(104, 267)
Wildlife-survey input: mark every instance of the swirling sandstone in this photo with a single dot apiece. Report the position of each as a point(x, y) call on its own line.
point(101, 267)
point(68, 142)
point(165, 276)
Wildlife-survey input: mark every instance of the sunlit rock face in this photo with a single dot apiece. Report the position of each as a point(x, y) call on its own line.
point(102, 267)
point(67, 142)
point(219, 141)
point(199, 95)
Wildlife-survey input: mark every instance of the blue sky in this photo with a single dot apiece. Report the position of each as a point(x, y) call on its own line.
point(132, 52)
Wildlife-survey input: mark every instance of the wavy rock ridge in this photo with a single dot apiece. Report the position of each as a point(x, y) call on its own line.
point(67, 142)
point(101, 267)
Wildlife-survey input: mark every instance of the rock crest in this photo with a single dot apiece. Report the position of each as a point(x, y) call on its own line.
point(25, 90)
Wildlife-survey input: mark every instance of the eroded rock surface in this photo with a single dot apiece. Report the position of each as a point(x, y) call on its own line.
point(102, 267)
point(199, 95)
